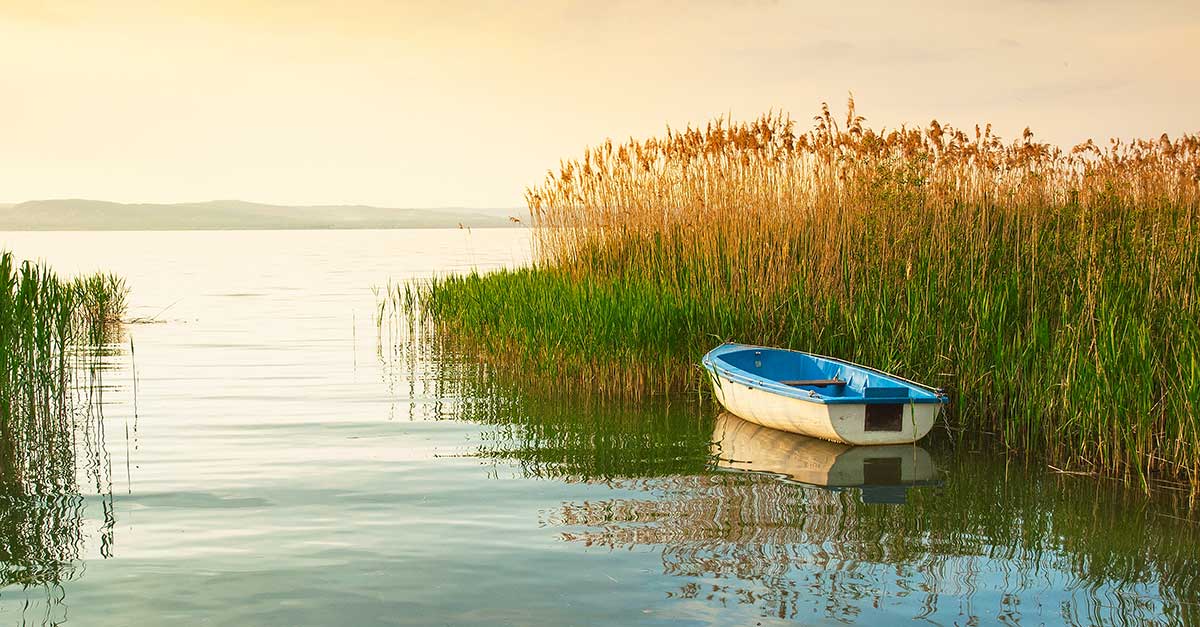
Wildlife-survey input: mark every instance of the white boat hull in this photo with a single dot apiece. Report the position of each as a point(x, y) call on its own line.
point(845, 422)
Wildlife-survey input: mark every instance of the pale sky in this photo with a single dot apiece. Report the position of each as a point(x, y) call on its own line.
point(418, 104)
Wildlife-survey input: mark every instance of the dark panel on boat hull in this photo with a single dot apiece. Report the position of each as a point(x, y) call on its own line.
point(884, 417)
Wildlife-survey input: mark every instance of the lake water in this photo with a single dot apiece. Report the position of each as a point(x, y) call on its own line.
point(266, 456)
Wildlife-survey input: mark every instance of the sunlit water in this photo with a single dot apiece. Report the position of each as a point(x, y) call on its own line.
point(267, 458)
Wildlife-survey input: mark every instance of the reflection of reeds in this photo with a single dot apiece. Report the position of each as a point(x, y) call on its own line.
point(571, 439)
point(992, 529)
point(791, 550)
point(1054, 293)
point(40, 537)
point(50, 332)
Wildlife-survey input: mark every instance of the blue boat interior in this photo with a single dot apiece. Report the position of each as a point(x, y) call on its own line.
point(822, 379)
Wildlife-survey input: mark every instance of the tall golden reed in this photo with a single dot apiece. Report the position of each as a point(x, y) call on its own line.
point(1054, 293)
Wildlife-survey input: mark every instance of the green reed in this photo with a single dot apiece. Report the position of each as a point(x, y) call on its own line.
point(49, 420)
point(42, 319)
point(1054, 294)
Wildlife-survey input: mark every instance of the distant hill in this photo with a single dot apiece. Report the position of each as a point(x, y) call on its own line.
point(96, 215)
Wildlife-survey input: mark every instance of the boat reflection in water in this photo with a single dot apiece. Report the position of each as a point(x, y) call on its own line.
point(883, 473)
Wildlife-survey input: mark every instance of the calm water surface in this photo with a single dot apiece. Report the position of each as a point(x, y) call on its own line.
point(267, 457)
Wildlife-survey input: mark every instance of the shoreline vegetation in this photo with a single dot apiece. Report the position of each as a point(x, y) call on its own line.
point(47, 324)
point(1054, 293)
point(52, 333)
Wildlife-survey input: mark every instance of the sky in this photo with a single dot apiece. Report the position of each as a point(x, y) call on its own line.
point(466, 103)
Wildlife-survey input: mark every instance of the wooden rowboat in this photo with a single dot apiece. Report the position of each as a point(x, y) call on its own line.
point(821, 397)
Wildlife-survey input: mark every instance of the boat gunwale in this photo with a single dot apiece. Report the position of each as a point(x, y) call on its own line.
point(738, 375)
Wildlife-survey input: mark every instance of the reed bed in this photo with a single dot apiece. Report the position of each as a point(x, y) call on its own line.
point(1055, 293)
point(43, 318)
point(49, 415)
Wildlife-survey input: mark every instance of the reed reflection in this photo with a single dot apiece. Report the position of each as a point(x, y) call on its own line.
point(575, 438)
point(820, 531)
point(806, 536)
point(60, 468)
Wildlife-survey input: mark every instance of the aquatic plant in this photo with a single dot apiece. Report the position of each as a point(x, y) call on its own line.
point(43, 319)
point(50, 424)
point(1054, 293)
point(101, 301)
